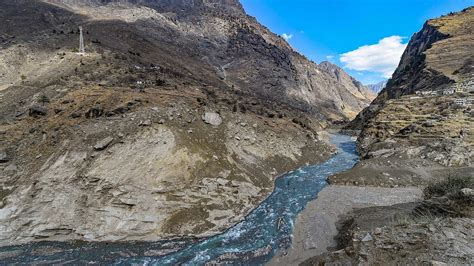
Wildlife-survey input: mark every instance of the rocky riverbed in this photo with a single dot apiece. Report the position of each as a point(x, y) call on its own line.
point(316, 227)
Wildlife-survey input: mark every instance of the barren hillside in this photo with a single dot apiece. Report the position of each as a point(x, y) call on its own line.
point(174, 123)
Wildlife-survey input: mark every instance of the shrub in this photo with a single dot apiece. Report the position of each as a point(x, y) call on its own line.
point(449, 186)
point(43, 99)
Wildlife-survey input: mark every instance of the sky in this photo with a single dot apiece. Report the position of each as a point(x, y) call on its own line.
point(365, 37)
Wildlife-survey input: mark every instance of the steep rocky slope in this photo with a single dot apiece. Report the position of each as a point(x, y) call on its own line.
point(174, 123)
point(351, 87)
point(426, 135)
point(438, 55)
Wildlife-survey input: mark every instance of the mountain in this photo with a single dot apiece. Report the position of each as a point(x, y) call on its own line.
point(417, 134)
point(378, 87)
point(415, 118)
point(351, 85)
point(174, 123)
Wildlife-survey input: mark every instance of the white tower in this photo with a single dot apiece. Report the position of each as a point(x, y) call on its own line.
point(81, 42)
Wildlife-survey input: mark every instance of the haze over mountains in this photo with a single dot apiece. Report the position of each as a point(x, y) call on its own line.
point(378, 87)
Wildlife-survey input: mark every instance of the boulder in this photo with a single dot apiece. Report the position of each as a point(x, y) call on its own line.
point(467, 192)
point(429, 124)
point(146, 123)
point(4, 156)
point(37, 110)
point(94, 112)
point(437, 263)
point(76, 114)
point(101, 145)
point(378, 231)
point(212, 118)
point(367, 238)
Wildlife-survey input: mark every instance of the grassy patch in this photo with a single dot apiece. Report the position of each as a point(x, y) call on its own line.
point(457, 203)
point(450, 187)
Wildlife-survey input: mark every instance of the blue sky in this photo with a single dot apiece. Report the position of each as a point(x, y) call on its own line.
point(366, 37)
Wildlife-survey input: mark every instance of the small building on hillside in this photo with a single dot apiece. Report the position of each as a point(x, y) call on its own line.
point(459, 89)
point(460, 102)
point(470, 101)
point(470, 85)
point(426, 93)
point(448, 91)
point(464, 86)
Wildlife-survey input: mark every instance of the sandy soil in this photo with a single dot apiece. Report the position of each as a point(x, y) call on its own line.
point(315, 227)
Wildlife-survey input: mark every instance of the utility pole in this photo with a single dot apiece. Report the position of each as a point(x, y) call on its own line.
point(81, 42)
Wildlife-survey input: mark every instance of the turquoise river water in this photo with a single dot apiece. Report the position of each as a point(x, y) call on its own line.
point(264, 232)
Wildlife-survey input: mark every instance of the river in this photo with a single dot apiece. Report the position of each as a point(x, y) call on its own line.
point(265, 231)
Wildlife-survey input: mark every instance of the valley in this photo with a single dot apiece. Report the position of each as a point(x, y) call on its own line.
point(178, 117)
point(189, 133)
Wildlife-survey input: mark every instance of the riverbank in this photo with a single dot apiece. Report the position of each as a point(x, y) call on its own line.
point(316, 226)
point(255, 240)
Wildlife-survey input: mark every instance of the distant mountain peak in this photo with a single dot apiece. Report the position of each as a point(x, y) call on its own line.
point(327, 64)
point(377, 87)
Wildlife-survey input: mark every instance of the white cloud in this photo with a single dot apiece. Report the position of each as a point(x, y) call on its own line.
point(382, 57)
point(329, 57)
point(287, 36)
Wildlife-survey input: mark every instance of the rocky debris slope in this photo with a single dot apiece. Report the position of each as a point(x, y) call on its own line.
point(174, 123)
point(351, 87)
point(149, 167)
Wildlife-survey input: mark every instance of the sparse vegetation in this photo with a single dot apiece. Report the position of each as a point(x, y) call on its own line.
point(449, 187)
point(43, 99)
point(458, 203)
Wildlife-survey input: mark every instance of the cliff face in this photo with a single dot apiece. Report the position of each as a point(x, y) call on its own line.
point(174, 123)
point(354, 87)
point(437, 56)
point(401, 132)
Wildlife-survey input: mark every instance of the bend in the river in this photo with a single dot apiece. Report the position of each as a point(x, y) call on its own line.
point(255, 240)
